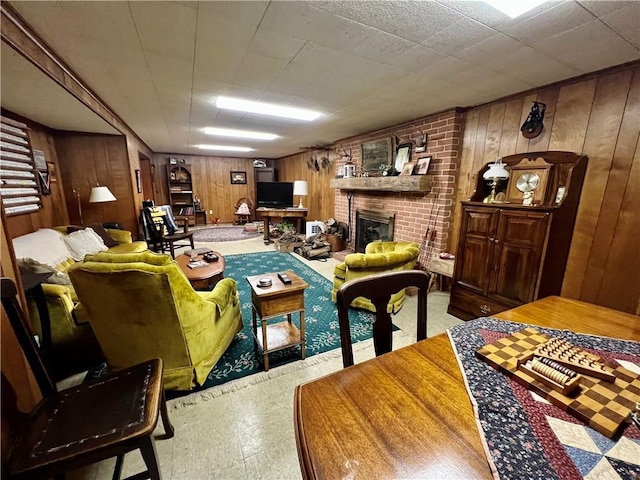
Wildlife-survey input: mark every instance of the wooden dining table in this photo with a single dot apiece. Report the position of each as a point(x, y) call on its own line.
point(407, 414)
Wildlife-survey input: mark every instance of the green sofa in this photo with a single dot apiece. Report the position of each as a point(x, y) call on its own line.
point(142, 306)
point(379, 257)
point(44, 250)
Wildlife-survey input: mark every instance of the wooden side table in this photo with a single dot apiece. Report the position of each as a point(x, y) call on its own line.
point(202, 278)
point(274, 301)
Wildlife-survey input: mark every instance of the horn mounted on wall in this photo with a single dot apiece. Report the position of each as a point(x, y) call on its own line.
point(532, 126)
point(319, 157)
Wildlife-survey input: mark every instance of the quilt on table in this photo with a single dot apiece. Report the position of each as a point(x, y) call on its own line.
point(527, 437)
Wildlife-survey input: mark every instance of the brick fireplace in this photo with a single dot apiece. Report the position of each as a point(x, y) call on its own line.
point(416, 213)
point(371, 226)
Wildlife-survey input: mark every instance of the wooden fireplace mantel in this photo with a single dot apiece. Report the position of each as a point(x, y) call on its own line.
point(402, 183)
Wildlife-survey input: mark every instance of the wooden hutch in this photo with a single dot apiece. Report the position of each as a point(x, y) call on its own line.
point(509, 253)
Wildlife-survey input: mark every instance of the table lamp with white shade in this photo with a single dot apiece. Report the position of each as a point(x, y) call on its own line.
point(300, 188)
point(493, 176)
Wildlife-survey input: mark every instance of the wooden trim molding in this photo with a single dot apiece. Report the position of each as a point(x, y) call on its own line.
point(17, 33)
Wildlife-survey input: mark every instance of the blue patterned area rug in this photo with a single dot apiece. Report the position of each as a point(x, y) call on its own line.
point(322, 330)
point(321, 317)
point(525, 436)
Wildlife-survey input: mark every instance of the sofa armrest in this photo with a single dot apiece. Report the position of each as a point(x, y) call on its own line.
point(224, 294)
point(362, 261)
point(120, 236)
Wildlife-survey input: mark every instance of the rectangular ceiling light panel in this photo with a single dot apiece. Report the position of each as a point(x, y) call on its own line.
point(266, 108)
point(229, 132)
point(514, 8)
point(227, 148)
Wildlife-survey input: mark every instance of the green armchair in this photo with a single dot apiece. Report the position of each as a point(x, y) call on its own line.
point(379, 257)
point(141, 306)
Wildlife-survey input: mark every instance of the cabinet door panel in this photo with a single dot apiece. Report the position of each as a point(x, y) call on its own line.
point(475, 255)
point(518, 251)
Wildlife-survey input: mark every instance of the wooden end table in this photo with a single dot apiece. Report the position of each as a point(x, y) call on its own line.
point(204, 277)
point(273, 301)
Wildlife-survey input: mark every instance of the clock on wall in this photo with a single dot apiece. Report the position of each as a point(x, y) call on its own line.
point(528, 182)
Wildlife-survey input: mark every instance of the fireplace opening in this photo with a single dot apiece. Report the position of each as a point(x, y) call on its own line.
point(371, 226)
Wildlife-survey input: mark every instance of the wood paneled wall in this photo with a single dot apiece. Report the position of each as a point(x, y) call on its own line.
point(597, 116)
point(320, 200)
point(211, 182)
point(90, 160)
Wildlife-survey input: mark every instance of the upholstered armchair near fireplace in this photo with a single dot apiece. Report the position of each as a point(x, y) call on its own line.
point(379, 257)
point(142, 306)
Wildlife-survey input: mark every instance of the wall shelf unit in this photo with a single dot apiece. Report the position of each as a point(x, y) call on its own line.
point(181, 191)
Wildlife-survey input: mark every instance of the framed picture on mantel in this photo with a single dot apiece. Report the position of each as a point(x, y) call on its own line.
point(376, 153)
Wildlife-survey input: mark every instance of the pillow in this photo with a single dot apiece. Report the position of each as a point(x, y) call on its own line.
point(84, 242)
point(31, 265)
point(99, 229)
point(45, 246)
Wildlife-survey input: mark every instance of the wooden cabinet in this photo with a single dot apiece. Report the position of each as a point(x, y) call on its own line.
point(181, 191)
point(510, 254)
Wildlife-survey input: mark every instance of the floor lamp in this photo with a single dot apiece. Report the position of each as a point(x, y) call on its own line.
point(98, 195)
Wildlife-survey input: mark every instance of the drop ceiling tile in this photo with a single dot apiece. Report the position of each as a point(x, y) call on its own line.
point(275, 45)
point(165, 27)
point(606, 48)
point(600, 7)
point(449, 67)
point(626, 21)
point(553, 21)
point(531, 66)
point(486, 50)
point(330, 76)
point(416, 58)
point(462, 34)
point(332, 31)
point(479, 11)
point(415, 21)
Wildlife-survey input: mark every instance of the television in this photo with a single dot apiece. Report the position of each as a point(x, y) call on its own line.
point(274, 194)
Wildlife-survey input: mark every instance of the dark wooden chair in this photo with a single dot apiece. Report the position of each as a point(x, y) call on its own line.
point(160, 232)
point(81, 425)
point(378, 289)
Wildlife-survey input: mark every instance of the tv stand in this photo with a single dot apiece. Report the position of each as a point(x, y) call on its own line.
point(268, 213)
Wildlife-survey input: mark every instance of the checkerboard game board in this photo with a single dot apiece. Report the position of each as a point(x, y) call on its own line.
point(603, 405)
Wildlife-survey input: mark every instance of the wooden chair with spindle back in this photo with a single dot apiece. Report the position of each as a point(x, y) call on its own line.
point(378, 289)
point(106, 417)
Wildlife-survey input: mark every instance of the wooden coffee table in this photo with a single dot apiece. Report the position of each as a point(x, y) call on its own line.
point(274, 301)
point(204, 277)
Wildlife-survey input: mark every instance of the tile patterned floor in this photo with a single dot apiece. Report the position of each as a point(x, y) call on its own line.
point(245, 430)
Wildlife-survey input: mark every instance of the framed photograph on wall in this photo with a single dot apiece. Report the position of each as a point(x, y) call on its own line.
point(422, 165)
point(376, 153)
point(238, 178)
point(403, 155)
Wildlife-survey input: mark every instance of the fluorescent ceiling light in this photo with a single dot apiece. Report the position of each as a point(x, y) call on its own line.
point(228, 132)
point(228, 148)
point(514, 8)
point(266, 108)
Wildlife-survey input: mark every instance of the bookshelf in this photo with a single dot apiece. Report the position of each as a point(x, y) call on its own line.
point(181, 191)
